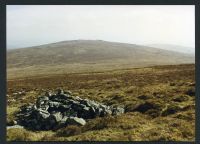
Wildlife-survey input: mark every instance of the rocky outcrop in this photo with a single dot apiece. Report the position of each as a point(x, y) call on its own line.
point(53, 111)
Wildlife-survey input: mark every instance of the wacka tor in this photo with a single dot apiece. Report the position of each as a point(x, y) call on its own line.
point(54, 111)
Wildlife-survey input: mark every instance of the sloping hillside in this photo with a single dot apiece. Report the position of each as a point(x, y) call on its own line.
point(178, 48)
point(89, 55)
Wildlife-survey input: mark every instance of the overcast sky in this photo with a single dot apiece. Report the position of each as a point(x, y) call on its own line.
point(36, 25)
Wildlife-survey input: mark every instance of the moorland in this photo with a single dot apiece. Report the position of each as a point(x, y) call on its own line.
point(156, 87)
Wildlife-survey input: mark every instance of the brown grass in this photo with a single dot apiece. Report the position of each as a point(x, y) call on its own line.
point(159, 103)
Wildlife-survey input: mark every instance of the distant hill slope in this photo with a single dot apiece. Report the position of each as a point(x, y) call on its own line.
point(178, 48)
point(91, 52)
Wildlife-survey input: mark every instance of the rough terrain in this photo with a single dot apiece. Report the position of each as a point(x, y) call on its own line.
point(159, 104)
point(53, 111)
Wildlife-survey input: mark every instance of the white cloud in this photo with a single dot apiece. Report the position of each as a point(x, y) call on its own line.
point(35, 25)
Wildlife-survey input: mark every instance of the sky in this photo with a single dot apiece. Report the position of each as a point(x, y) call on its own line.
point(136, 24)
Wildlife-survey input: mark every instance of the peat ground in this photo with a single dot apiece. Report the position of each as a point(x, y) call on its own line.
point(159, 103)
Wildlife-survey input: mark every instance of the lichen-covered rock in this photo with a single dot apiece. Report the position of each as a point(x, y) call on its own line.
point(53, 111)
point(42, 114)
point(117, 111)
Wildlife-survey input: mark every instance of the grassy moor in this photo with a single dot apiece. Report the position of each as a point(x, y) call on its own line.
point(100, 73)
point(159, 103)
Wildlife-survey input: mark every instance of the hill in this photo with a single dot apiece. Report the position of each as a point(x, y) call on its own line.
point(158, 96)
point(89, 55)
point(182, 49)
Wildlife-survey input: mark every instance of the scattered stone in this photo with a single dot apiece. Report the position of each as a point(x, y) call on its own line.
point(15, 126)
point(19, 93)
point(48, 94)
point(76, 121)
point(12, 123)
point(60, 91)
point(191, 83)
point(54, 111)
point(11, 100)
point(42, 114)
point(117, 111)
point(57, 116)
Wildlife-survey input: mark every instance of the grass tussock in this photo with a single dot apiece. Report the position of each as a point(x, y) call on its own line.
point(159, 104)
point(69, 131)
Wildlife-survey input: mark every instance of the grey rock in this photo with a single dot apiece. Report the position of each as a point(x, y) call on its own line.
point(117, 111)
point(42, 114)
point(78, 98)
point(47, 127)
point(60, 91)
point(93, 104)
point(63, 96)
point(38, 127)
point(12, 123)
point(48, 94)
point(86, 109)
point(64, 119)
point(42, 100)
point(15, 126)
point(54, 104)
point(70, 112)
point(65, 106)
point(70, 101)
point(76, 121)
point(56, 116)
point(51, 112)
point(68, 92)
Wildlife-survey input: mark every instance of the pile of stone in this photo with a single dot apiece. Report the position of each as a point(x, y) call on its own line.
point(53, 111)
